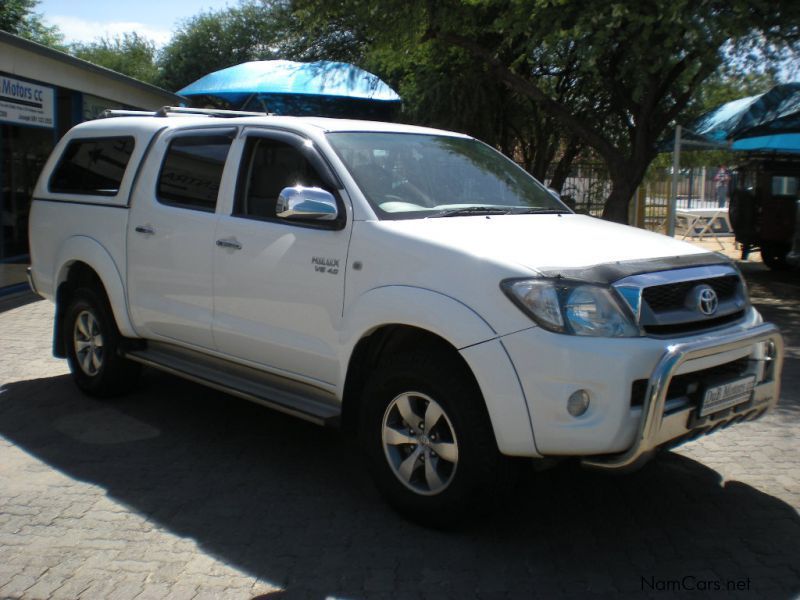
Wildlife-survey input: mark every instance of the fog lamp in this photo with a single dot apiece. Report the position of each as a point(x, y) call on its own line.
point(578, 403)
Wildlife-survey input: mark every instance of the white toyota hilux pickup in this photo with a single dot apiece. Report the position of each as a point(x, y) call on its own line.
point(412, 285)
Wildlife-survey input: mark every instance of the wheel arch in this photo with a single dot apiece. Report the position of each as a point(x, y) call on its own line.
point(378, 345)
point(84, 261)
point(393, 318)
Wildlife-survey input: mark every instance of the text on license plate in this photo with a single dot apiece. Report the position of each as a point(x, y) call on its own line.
point(726, 395)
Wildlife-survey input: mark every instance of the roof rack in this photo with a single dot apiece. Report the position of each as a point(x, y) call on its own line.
point(166, 111)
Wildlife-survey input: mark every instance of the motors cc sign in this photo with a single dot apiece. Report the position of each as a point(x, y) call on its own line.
point(26, 103)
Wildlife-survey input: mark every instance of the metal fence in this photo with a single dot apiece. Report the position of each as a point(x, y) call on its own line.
point(589, 184)
point(587, 188)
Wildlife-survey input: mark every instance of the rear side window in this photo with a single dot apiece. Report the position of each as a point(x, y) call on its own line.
point(784, 186)
point(93, 166)
point(192, 171)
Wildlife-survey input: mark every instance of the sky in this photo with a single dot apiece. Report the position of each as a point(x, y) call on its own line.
point(86, 20)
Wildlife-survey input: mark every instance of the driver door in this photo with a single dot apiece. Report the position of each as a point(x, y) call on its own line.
point(279, 284)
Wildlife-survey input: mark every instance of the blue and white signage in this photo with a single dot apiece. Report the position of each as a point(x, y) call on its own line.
point(26, 103)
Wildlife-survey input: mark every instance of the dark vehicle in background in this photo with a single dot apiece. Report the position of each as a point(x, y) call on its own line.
point(765, 209)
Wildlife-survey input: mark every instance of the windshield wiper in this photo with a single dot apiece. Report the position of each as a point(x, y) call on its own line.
point(539, 211)
point(497, 210)
point(472, 210)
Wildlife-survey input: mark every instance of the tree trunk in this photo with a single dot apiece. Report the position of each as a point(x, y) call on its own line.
point(564, 165)
point(616, 208)
point(626, 175)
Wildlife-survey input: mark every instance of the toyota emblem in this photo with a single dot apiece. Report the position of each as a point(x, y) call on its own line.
point(707, 300)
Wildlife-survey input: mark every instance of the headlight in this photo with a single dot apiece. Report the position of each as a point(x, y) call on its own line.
point(571, 307)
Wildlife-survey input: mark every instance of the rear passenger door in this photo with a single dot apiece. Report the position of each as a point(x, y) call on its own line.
point(279, 284)
point(171, 237)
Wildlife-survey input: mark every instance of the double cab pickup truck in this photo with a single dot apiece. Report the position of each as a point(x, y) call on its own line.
point(412, 286)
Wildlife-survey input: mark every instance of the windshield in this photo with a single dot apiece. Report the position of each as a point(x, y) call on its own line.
point(410, 176)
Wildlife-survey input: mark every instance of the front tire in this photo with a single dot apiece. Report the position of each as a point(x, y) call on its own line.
point(428, 441)
point(92, 341)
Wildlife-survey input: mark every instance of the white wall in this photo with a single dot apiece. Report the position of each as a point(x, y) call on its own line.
point(47, 70)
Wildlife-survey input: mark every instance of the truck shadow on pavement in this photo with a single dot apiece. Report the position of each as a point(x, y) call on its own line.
point(291, 504)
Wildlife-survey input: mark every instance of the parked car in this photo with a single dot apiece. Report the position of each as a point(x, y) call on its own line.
point(410, 285)
point(764, 210)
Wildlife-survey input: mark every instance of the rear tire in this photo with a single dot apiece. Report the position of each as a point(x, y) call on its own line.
point(92, 341)
point(774, 256)
point(428, 441)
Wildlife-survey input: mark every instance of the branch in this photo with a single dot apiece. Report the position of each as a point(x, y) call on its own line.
point(675, 72)
point(625, 100)
point(682, 100)
point(528, 88)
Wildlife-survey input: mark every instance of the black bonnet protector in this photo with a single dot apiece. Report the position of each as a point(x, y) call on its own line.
point(608, 273)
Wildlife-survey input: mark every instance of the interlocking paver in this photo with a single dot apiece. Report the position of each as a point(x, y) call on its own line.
point(177, 491)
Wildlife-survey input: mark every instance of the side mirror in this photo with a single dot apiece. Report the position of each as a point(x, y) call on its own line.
point(310, 203)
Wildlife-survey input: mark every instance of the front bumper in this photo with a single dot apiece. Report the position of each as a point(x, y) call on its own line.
point(657, 428)
point(623, 425)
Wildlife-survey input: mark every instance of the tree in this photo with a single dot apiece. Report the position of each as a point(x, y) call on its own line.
point(636, 65)
point(215, 40)
point(644, 61)
point(13, 14)
point(18, 17)
point(254, 30)
point(441, 85)
point(129, 53)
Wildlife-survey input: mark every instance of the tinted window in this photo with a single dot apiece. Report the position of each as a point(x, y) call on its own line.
point(192, 171)
point(270, 166)
point(784, 186)
point(92, 166)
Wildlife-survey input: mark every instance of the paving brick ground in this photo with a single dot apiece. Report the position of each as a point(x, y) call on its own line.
point(176, 491)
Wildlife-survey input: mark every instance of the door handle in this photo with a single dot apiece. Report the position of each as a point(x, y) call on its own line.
point(144, 229)
point(231, 244)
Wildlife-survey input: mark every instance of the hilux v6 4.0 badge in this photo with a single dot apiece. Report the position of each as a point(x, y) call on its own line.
point(325, 265)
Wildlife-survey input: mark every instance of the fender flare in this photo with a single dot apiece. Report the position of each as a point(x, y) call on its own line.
point(85, 249)
point(418, 307)
point(465, 329)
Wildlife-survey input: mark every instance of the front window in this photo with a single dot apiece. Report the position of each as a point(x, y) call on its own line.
point(406, 176)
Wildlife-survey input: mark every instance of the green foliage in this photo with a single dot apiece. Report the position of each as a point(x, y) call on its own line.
point(130, 54)
point(614, 74)
point(443, 85)
point(14, 13)
point(18, 17)
point(215, 40)
point(254, 30)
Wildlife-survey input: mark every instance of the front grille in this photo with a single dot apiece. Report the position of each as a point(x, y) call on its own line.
point(672, 296)
point(692, 326)
point(668, 303)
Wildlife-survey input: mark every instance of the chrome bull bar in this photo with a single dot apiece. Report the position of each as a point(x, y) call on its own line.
point(654, 430)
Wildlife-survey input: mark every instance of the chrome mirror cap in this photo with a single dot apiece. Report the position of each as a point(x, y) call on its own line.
point(301, 202)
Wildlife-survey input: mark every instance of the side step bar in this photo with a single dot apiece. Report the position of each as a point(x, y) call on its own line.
point(287, 396)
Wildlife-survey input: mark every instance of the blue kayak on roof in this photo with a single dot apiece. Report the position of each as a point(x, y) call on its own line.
point(322, 88)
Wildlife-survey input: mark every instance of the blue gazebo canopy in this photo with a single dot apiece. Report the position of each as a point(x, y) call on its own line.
point(780, 143)
point(768, 122)
point(769, 116)
point(322, 88)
